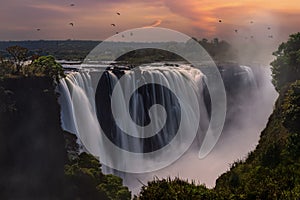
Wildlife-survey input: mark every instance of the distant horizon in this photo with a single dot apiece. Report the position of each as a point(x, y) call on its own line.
point(98, 20)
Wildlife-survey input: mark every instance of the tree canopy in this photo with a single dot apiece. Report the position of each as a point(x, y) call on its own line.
point(286, 66)
point(14, 64)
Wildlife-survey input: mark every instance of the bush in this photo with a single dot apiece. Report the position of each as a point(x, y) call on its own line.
point(46, 66)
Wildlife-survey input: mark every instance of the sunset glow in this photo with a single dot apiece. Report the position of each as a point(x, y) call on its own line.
point(92, 19)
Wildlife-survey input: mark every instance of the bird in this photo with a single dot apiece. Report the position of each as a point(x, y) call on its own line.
point(220, 20)
point(118, 13)
point(71, 23)
point(38, 29)
point(72, 4)
point(113, 24)
point(117, 32)
point(269, 28)
point(251, 22)
point(236, 30)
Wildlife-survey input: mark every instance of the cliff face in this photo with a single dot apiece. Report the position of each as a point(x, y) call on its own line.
point(272, 170)
point(32, 154)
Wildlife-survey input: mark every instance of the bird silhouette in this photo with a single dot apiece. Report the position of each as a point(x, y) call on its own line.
point(236, 30)
point(113, 24)
point(38, 29)
point(72, 4)
point(251, 22)
point(117, 32)
point(269, 28)
point(118, 13)
point(71, 24)
point(220, 20)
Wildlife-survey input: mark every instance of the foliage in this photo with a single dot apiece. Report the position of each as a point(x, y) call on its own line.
point(175, 189)
point(14, 65)
point(291, 108)
point(85, 180)
point(18, 55)
point(45, 66)
point(286, 66)
point(221, 51)
point(272, 170)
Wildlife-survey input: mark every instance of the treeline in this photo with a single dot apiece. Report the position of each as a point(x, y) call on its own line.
point(77, 50)
point(272, 170)
point(60, 49)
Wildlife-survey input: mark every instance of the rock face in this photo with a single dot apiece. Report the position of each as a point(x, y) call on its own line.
point(32, 154)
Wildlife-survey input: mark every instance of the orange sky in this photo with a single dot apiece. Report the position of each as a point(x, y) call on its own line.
point(198, 18)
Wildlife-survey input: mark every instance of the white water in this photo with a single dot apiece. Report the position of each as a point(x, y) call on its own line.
point(79, 117)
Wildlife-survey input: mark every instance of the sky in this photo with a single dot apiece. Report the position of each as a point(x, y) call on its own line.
point(254, 19)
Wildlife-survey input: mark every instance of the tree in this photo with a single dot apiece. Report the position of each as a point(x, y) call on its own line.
point(286, 66)
point(47, 66)
point(19, 55)
point(85, 180)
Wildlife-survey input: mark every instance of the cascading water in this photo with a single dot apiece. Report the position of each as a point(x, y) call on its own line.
point(152, 105)
point(98, 116)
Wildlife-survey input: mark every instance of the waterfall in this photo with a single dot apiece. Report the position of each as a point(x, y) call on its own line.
point(151, 110)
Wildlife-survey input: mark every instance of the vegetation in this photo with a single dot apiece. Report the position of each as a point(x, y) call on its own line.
point(175, 189)
point(77, 50)
point(272, 170)
point(84, 178)
point(61, 50)
point(19, 63)
point(286, 67)
point(34, 162)
point(45, 66)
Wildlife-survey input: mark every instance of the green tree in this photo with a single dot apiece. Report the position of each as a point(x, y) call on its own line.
point(286, 66)
point(47, 66)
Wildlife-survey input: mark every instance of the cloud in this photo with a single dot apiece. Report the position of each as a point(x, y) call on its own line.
point(192, 17)
point(154, 24)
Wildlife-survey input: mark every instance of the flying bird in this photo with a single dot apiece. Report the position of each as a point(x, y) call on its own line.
point(118, 13)
point(220, 20)
point(72, 4)
point(71, 24)
point(113, 24)
point(38, 29)
point(269, 28)
point(236, 30)
point(117, 32)
point(251, 22)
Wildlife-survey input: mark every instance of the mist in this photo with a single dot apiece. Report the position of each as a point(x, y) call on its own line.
point(246, 118)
